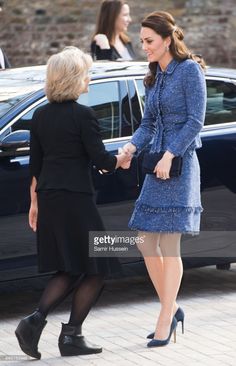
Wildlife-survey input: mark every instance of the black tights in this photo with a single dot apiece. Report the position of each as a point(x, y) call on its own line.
point(86, 290)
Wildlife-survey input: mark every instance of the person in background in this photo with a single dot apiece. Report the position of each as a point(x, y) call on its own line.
point(65, 142)
point(110, 41)
point(168, 207)
point(4, 62)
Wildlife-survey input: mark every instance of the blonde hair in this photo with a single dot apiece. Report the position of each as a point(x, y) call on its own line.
point(66, 74)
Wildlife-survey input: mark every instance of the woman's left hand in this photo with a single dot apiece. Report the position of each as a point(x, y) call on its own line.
point(102, 41)
point(33, 216)
point(162, 169)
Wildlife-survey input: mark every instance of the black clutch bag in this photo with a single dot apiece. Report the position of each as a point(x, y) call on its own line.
point(150, 160)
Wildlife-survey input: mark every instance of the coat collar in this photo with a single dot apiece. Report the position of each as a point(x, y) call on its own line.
point(170, 67)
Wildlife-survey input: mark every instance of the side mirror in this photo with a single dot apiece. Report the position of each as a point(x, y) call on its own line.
point(15, 144)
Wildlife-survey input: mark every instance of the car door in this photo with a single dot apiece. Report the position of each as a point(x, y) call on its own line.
point(17, 240)
point(217, 159)
point(216, 243)
point(115, 193)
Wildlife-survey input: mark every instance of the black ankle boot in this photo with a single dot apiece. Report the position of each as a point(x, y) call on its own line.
point(72, 343)
point(28, 333)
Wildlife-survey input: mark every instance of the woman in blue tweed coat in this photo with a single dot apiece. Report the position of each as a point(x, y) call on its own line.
point(173, 117)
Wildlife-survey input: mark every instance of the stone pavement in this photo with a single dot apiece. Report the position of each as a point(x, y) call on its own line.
point(124, 315)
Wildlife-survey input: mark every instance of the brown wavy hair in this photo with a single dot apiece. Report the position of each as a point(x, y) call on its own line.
point(108, 14)
point(164, 24)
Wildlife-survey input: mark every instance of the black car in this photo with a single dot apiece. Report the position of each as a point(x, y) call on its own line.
point(117, 95)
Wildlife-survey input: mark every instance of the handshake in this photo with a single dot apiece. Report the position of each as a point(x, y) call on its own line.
point(125, 155)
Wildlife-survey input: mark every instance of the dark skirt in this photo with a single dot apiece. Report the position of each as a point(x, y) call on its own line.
point(64, 221)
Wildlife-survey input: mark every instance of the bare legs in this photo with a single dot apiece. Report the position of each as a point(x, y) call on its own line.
point(161, 254)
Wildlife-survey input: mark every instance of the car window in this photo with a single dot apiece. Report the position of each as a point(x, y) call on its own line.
point(126, 120)
point(141, 91)
point(17, 84)
point(7, 102)
point(24, 122)
point(104, 99)
point(109, 100)
point(135, 106)
point(221, 102)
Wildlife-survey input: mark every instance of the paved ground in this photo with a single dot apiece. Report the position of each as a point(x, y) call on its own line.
point(125, 314)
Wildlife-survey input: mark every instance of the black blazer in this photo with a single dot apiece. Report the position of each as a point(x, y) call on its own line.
point(65, 141)
point(109, 54)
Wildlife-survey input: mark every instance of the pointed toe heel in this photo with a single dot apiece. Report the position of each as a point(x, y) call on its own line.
point(164, 342)
point(179, 316)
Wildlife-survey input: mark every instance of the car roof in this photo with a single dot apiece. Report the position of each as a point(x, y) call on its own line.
point(222, 72)
point(100, 69)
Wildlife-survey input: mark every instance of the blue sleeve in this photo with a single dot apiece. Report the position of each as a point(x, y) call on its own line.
point(144, 134)
point(195, 96)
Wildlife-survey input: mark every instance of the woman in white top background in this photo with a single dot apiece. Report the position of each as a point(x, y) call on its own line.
point(110, 41)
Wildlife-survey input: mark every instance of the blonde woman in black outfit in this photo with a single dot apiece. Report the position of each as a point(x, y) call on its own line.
point(110, 41)
point(65, 140)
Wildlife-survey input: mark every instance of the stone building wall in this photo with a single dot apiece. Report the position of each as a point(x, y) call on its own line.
point(31, 30)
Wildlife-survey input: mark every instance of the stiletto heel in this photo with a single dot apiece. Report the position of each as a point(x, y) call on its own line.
point(164, 342)
point(175, 336)
point(182, 321)
point(179, 316)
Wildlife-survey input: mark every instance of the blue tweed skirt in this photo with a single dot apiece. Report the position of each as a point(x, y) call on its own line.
point(172, 205)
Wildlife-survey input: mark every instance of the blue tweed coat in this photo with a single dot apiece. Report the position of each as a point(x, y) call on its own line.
point(173, 117)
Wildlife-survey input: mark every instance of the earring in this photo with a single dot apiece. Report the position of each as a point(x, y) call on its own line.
point(167, 48)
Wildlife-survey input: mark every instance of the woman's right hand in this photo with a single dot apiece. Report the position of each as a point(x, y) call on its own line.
point(33, 216)
point(128, 150)
point(123, 160)
point(102, 41)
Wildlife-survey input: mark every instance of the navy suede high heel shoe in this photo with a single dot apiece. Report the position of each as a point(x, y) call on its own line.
point(164, 342)
point(179, 316)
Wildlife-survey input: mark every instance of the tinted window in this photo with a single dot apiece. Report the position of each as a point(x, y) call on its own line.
point(221, 102)
point(135, 106)
point(126, 121)
point(25, 121)
point(111, 103)
point(141, 91)
point(104, 99)
point(17, 84)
